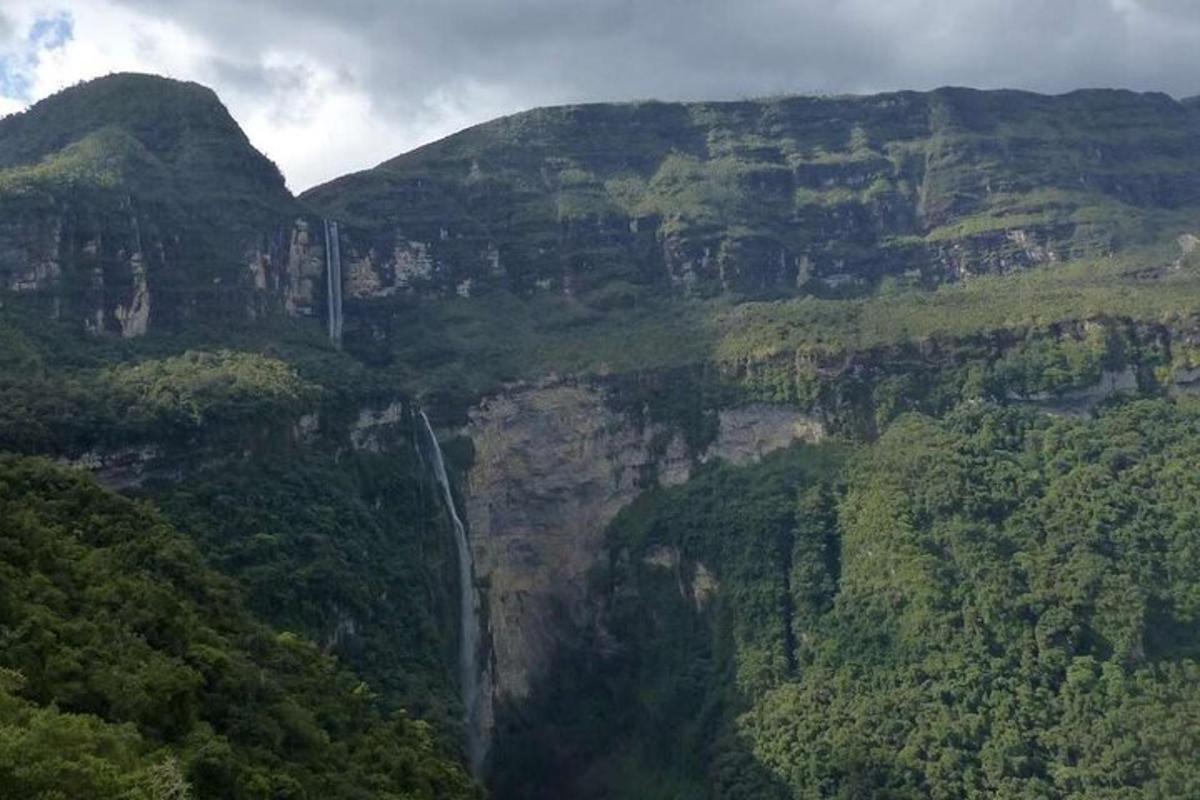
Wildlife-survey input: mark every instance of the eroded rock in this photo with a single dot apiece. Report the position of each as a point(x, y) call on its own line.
point(554, 464)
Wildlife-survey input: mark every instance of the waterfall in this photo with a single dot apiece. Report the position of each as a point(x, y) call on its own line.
point(333, 279)
point(468, 633)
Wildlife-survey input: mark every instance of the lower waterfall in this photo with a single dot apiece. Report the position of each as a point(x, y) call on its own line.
point(469, 670)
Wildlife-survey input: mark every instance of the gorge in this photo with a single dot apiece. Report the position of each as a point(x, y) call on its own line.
point(804, 447)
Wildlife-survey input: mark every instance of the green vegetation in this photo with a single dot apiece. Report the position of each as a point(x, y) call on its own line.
point(786, 196)
point(999, 604)
point(1015, 616)
point(798, 351)
point(127, 662)
point(61, 392)
point(464, 347)
point(1080, 290)
point(99, 159)
point(198, 389)
point(348, 549)
point(157, 398)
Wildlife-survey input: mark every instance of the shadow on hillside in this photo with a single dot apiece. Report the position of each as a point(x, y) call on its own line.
point(588, 731)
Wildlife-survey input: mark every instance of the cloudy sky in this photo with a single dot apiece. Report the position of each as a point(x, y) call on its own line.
point(328, 86)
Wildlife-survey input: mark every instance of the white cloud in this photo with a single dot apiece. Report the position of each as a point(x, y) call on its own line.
point(317, 124)
point(105, 38)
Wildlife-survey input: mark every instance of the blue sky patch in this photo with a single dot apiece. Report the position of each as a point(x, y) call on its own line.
point(17, 66)
point(51, 33)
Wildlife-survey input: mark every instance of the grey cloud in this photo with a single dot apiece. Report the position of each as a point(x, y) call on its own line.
point(532, 52)
point(561, 49)
point(281, 89)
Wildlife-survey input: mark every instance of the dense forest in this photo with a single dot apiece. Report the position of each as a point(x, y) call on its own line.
point(130, 669)
point(996, 604)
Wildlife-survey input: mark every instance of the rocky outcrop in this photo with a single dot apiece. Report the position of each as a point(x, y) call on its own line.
point(303, 269)
point(381, 427)
point(1004, 250)
point(127, 275)
point(1185, 381)
point(553, 466)
point(119, 468)
point(749, 432)
point(134, 319)
point(698, 587)
point(286, 269)
point(376, 429)
point(1080, 402)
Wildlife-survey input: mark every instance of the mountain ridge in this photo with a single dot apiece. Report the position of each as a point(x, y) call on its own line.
point(691, 368)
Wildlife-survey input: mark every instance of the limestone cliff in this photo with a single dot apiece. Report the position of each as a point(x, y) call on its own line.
point(553, 466)
point(792, 195)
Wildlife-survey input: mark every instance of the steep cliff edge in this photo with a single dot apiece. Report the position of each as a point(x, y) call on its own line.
point(554, 464)
point(778, 197)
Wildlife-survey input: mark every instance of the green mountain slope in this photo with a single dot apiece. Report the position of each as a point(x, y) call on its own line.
point(181, 126)
point(127, 662)
point(795, 195)
point(135, 201)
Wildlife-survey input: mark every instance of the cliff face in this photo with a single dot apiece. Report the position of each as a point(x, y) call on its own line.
point(554, 463)
point(134, 202)
point(124, 273)
point(790, 196)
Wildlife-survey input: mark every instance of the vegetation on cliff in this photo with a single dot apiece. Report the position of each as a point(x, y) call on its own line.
point(985, 602)
point(786, 196)
point(998, 604)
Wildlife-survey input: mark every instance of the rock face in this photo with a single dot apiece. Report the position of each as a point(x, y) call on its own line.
point(113, 279)
point(380, 427)
point(749, 432)
point(554, 464)
point(376, 429)
point(1080, 402)
point(119, 468)
point(702, 584)
point(1185, 381)
point(792, 195)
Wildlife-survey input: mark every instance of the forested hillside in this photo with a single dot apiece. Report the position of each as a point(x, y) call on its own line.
point(998, 604)
point(130, 669)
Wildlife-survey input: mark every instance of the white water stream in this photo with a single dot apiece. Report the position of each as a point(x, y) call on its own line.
point(468, 635)
point(333, 281)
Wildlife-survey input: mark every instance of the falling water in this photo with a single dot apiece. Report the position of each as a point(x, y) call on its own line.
point(468, 634)
point(333, 279)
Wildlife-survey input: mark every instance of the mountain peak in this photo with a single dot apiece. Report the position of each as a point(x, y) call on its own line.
point(180, 123)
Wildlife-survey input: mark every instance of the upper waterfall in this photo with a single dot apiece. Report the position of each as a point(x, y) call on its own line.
point(333, 277)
